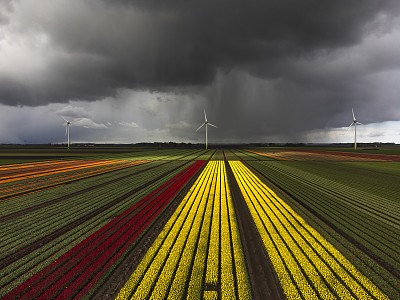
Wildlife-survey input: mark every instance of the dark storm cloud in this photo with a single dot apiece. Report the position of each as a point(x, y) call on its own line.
point(94, 48)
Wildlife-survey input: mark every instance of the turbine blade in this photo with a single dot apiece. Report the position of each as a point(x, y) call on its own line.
point(63, 118)
point(200, 126)
point(360, 123)
point(352, 110)
point(205, 116)
point(212, 125)
point(66, 129)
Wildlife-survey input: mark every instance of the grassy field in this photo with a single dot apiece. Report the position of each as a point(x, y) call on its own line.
point(127, 222)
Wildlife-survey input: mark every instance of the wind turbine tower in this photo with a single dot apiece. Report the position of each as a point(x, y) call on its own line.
point(355, 122)
point(67, 129)
point(207, 124)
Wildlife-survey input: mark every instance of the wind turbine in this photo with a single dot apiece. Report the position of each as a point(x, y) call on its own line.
point(355, 122)
point(207, 124)
point(67, 129)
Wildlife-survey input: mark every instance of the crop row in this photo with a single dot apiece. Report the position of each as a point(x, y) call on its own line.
point(81, 267)
point(198, 252)
point(306, 264)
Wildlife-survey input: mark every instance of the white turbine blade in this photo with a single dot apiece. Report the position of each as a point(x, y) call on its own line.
point(360, 123)
point(205, 116)
point(200, 127)
point(349, 126)
point(352, 110)
point(63, 118)
point(212, 125)
point(66, 129)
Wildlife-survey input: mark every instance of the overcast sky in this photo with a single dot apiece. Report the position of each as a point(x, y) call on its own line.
point(143, 71)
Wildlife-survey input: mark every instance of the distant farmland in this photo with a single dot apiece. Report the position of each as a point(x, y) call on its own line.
point(251, 223)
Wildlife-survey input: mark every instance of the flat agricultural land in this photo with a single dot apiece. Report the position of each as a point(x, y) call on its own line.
point(249, 223)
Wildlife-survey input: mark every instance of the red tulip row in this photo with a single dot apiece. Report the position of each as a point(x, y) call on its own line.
point(82, 266)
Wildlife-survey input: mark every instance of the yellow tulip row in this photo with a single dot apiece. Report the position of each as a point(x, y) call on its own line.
point(297, 250)
point(227, 279)
point(213, 252)
point(141, 281)
point(210, 295)
point(198, 246)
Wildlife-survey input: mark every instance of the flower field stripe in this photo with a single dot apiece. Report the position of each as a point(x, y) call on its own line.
point(196, 278)
point(176, 264)
point(24, 188)
point(197, 248)
point(213, 257)
point(181, 254)
point(33, 164)
point(183, 224)
point(78, 265)
point(328, 258)
point(287, 233)
point(44, 171)
point(134, 280)
point(53, 178)
point(271, 237)
point(227, 276)
point(275, 219)
point(31, 175)
point(242, 279)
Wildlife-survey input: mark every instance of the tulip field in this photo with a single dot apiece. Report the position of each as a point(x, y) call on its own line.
point(154, 223)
